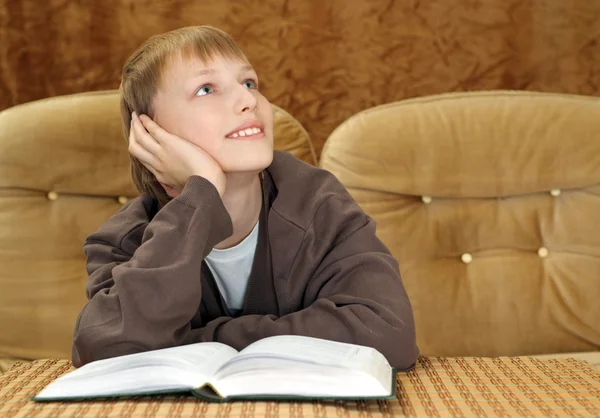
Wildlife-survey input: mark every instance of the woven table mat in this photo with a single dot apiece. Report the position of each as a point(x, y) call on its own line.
point(506, 386)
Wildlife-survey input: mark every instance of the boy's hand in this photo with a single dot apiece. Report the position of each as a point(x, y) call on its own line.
point(171, 159)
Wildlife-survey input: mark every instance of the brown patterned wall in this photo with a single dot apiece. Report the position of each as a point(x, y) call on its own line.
point(322, 60)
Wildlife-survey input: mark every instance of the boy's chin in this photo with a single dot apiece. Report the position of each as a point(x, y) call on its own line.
point(254, 162)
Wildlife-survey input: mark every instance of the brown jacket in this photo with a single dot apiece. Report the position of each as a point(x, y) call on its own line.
point(319, 270)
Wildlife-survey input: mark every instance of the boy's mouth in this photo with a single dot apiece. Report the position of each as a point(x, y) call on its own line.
point(251, 130)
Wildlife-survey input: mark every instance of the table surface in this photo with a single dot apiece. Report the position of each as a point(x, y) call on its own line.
point(470, 386)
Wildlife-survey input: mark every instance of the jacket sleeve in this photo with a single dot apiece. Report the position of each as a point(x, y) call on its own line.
point(355, 295)
point(144, 284)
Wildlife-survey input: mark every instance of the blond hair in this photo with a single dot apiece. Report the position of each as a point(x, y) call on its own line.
point(143, 73)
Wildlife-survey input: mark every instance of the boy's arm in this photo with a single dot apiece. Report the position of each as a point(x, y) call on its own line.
point(143, 290)
point(356, 293)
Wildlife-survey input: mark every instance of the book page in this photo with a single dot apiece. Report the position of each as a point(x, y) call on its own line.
point(183, 367)
point(276, 356)
point(202, 358)
point(312, 350)
point(321, 366)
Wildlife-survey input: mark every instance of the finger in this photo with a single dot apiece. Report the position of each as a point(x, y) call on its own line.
point(153, 171)
point(141, 154)
point(158, 133)
point(143, 138)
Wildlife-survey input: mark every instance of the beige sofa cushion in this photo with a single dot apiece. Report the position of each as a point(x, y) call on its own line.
point(491, 203)
point(64, 169)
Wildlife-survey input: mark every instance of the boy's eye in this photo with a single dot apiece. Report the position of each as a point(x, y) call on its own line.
point(204, 90)
point(250, 84)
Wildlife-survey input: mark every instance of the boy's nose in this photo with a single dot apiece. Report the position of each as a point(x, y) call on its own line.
point(246, 101)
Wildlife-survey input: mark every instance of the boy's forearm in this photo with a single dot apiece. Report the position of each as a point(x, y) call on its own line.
point(366, 304)
point(355, 324)
point(146, 301)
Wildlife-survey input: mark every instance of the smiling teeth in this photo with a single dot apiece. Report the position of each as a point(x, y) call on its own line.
point(245, 132)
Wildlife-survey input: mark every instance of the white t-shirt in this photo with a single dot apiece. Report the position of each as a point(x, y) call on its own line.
point(231, 269)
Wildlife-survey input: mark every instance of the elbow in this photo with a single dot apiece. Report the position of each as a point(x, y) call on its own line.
point(97, 342)
point(399, 347)
point(402, 349)
point(397, 341)
point(87, 349)
point(402, 353)
point(392, 336)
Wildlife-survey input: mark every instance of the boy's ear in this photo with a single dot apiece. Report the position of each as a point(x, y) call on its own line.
point(170, 191)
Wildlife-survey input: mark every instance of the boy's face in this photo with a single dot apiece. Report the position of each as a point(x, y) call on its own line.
point(217, 106)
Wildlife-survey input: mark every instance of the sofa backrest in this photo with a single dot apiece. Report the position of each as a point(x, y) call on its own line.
point(64, 169)
point(490, 201)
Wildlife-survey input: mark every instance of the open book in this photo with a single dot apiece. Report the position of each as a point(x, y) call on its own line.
point(291, 367)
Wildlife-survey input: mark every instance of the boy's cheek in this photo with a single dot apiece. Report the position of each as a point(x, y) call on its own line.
point(266, 116)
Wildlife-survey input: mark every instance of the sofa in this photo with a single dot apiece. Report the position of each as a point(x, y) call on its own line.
point(490, 201)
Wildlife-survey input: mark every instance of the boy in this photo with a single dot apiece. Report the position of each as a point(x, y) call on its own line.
point(229, 241)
